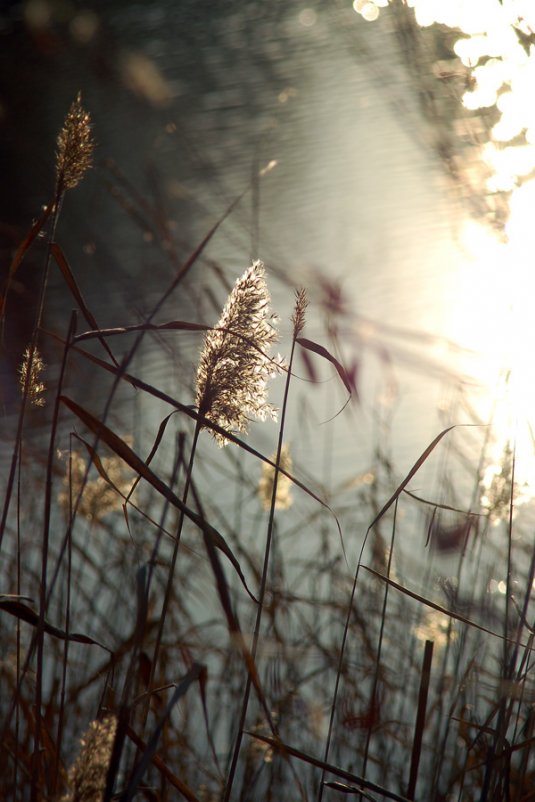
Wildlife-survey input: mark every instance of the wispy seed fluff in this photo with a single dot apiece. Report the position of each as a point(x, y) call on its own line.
point(235, 364)
point(87, 776)
point(75, 147)
point(32, 364)
point(283, 496)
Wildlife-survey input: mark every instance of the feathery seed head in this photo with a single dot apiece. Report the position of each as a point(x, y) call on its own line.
point(298, 317)
point(234, 365)
point(75, 147)
point(283, 496)
point(33, 365)
point(87, 775)
point(100, 496)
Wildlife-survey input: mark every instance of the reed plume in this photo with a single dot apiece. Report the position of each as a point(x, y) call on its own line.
point(75, 147)
point(283, 494)
point(234, 365)
point(87, 775)
point(299, 313)
point(99, 496)
point(30, 372)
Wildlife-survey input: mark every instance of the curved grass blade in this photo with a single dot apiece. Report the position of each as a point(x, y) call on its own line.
point(440, 609)
point(67, 273)
point(129, 456)
point(19, 256)
point(319, 349)
point(172, 325)
point(25, 613)
point(349, 789)
point(330, 768)
point(193, 674)
point(162, 767)
point(234, 625)
point(192, 413)
point(438, 506)
point(415, 468)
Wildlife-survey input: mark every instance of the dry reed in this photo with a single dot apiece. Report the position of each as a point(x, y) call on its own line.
point(234, 366)
point(75, 147)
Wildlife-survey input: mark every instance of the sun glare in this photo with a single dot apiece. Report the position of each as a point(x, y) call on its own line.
point(493, 314)
point(495, 320)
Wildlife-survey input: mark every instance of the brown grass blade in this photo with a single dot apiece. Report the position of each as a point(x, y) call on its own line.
point(438, 506)
point(441, 609)
point(25, 613)
point(154, 449)
point(148, 755)
point(415, 468)
point(425, 678)
point(67, 273)
point(349, 789)
point(129, 456)
point(171, 325)
point(162, 767)
point(319, 349)
point(21, 252)
point(192, 413)
point(284, 748)
point(234, 625)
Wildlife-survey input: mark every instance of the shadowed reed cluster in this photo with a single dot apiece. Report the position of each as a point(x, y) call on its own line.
point(235, 364)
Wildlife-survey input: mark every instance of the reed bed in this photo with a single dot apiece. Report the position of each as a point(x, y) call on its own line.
point(202, 617)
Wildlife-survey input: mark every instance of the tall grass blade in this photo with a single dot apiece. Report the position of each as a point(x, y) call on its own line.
point(192, 676)
point(20, 253)
point(328, 768)
point(194, 415)
point(425, 679)
point(27, 614)
point(162, 767)
point(319, 349)
point(124, 451)
point(439, 608)
point(67, 273)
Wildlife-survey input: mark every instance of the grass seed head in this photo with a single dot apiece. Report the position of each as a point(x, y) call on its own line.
point(99, 497)
point(283, 496)
point(75, 147)
point(87, 775)
point(30, 376)
point(298, 317)
point(235, 365)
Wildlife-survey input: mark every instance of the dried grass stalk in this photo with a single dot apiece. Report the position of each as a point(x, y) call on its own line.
point(235, 364)
point(75, 147)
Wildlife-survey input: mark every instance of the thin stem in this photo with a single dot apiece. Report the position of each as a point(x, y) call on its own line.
point(263, 583)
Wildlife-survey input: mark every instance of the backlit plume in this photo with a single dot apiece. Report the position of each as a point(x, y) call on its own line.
point(87, 776)
point(235, 364)
point(283, 496)
point(75, 147)
point(32, 364)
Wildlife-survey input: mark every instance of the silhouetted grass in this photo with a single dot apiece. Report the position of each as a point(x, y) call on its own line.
point(167, 634)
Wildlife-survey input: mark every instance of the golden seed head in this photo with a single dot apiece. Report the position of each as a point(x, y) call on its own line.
point(234, 365)
point(30, 373)
point(283, 496)
point(75, 147)
point(99, 496)
point(298, 317)
point(87, 775)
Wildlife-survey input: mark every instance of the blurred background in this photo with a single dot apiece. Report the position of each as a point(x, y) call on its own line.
point(382, 156)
